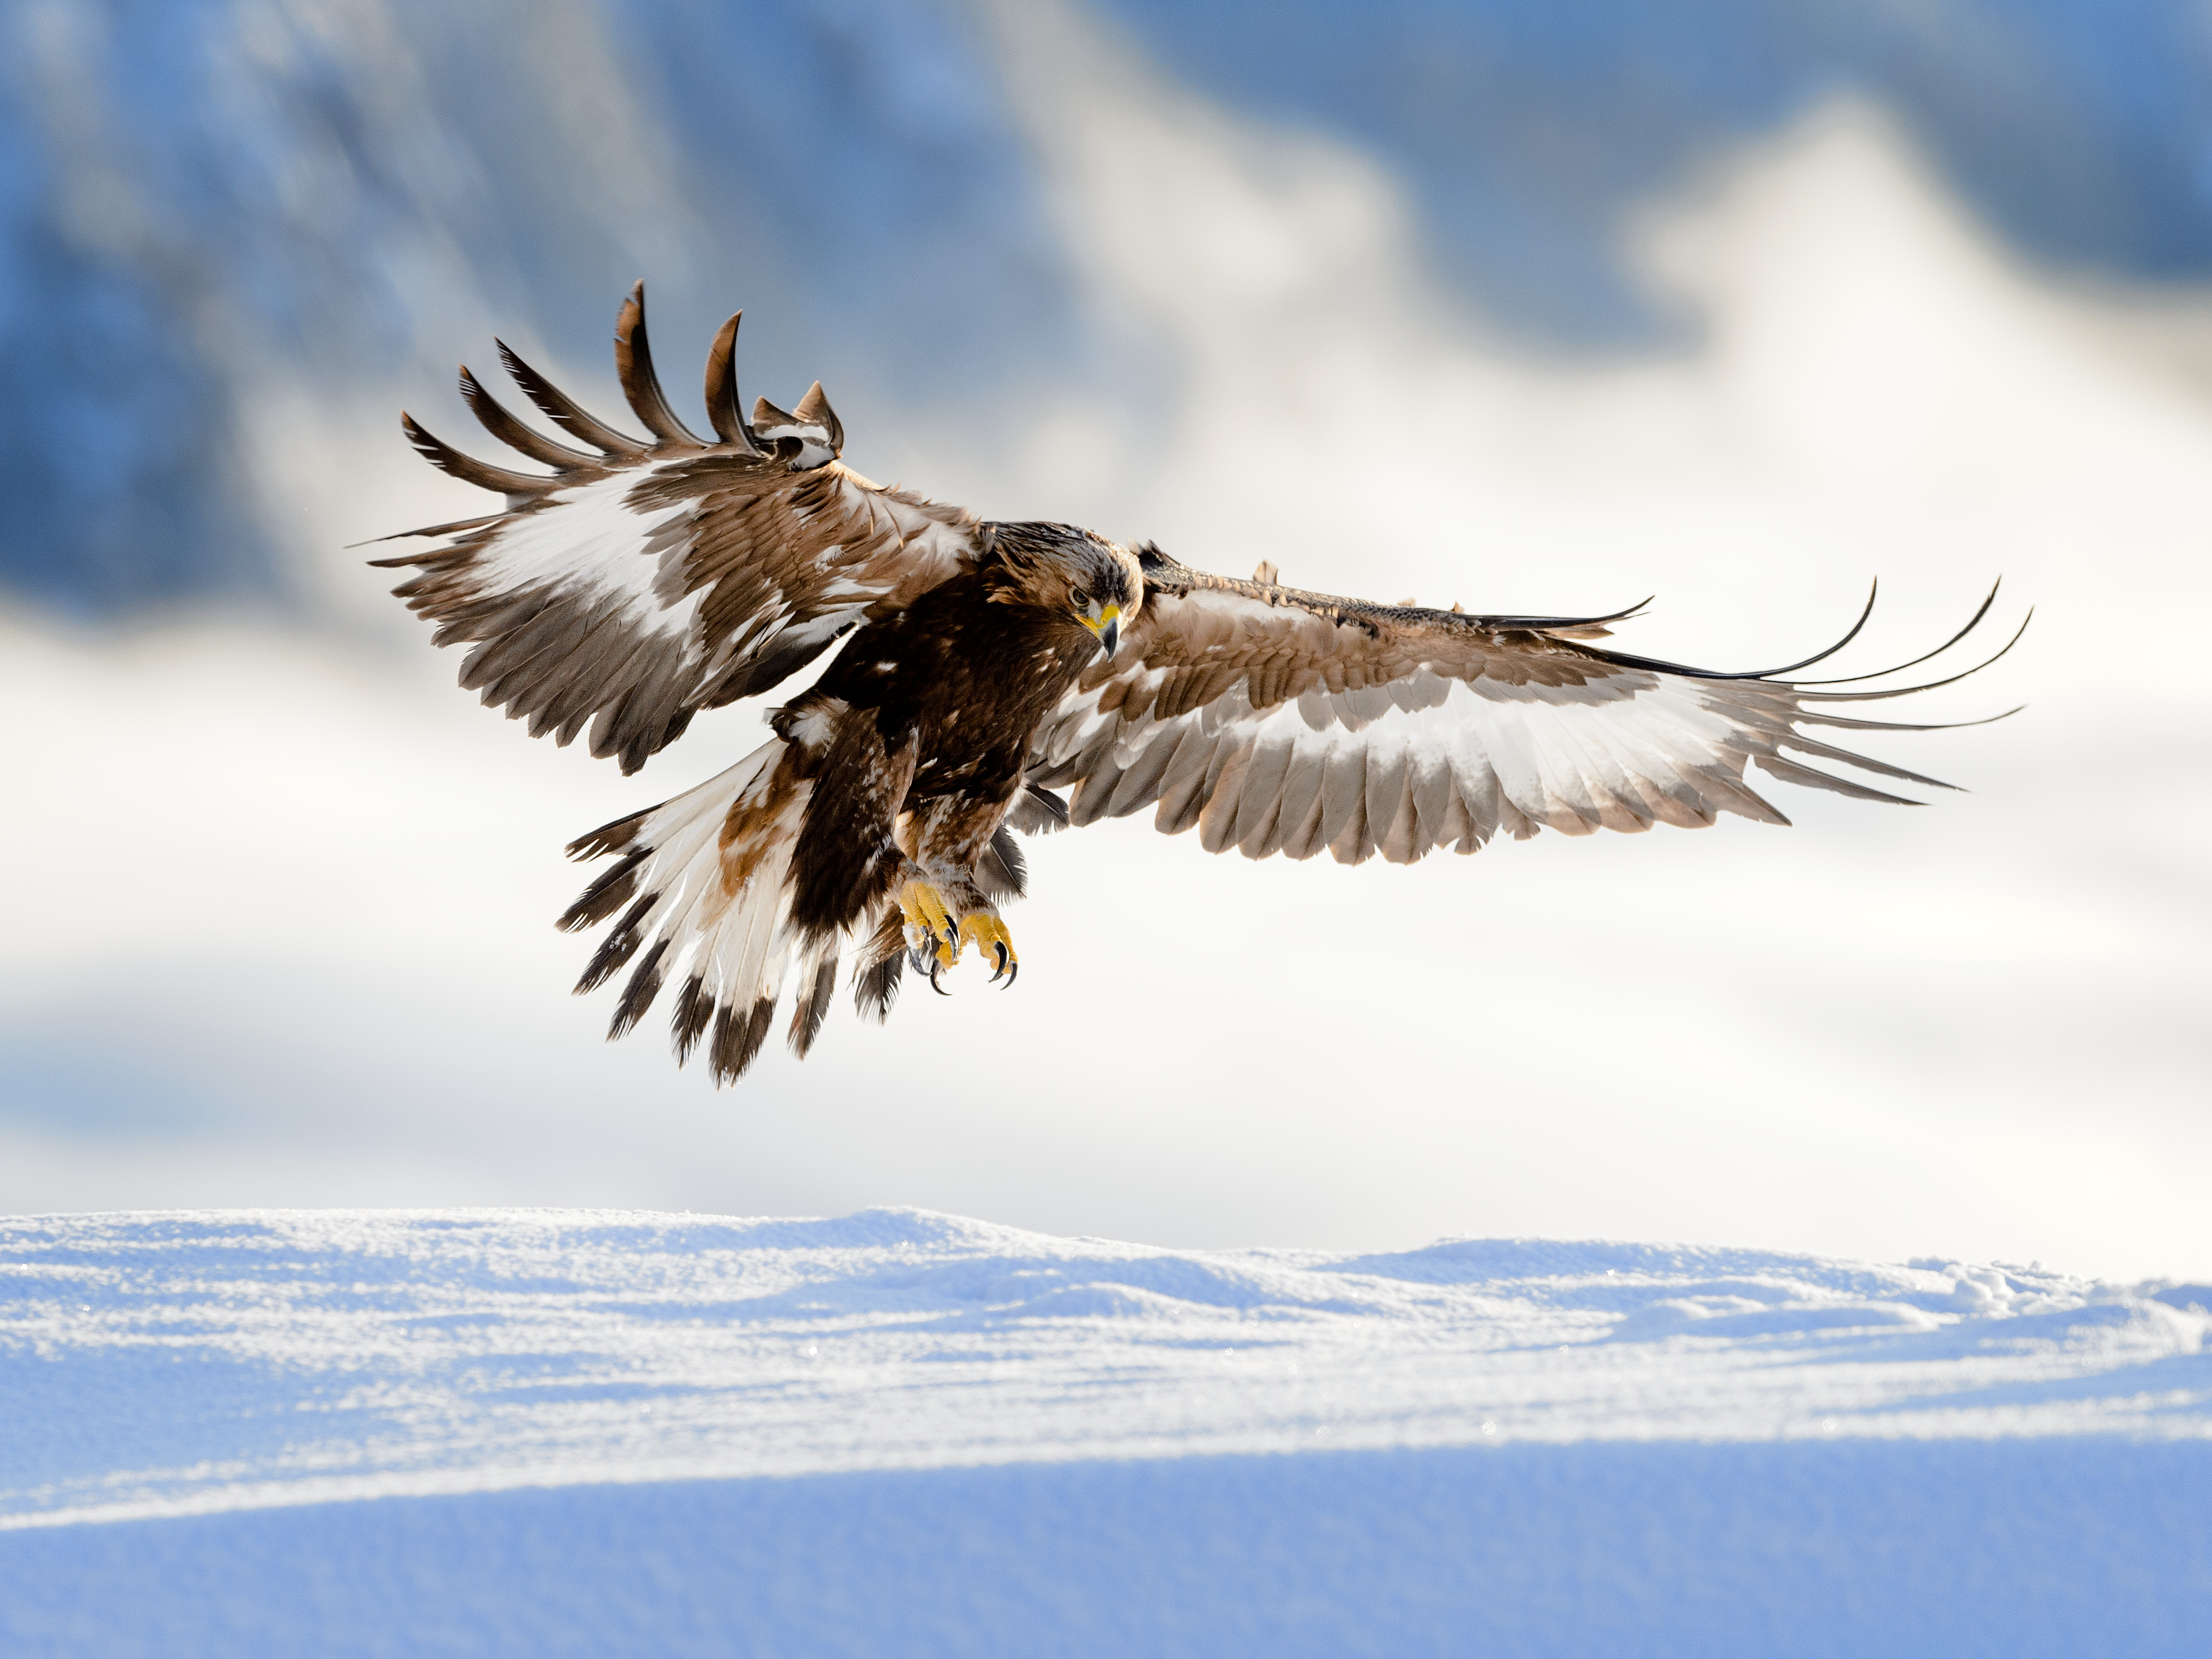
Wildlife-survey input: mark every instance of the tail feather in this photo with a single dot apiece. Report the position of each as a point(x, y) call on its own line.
point(711, 873)
point(617, 948)
point(1002, 871)
point(604, 896)
point(738, 1039)
point(817, 984)
point(883, 965)
point(710, 884)
point(637, 996)
point(694, 1010)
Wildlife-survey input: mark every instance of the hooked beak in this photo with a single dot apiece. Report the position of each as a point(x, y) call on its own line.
point(1106, 625)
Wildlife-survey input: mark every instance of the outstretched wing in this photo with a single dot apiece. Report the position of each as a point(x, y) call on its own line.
point(646, 579)
point(1277, 720)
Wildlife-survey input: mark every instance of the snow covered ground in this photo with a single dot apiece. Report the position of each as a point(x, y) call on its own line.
point(900, 1432)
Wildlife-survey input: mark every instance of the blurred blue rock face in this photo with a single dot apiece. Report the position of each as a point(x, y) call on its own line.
point(1526, 128)
point(200, 199)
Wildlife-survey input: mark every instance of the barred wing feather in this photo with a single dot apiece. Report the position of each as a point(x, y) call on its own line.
point(1278, 721)
point(642, 580)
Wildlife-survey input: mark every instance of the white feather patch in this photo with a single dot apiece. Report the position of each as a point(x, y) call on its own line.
point(1430, 758)
point(589, 538)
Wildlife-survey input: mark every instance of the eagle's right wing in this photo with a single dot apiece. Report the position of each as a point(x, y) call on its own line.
point(1277, 720)
point(638, 583)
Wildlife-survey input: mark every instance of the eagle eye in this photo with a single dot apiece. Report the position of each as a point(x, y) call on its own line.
point(1080, 597)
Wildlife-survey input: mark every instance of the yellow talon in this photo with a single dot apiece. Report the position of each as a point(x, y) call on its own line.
point(935, 942)
point(988, 933)
point(929, 926)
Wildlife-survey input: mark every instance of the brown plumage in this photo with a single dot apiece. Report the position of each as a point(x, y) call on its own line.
point(987, 665)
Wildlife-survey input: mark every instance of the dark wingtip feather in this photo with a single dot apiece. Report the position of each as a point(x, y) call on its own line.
point(641, 385)
point(495, 419)
point(1623, 659)
point(1972, 622)
point(723, 409)
point(562, 411)
point(1931, 685)
point(1806, 745)
point(1790, 772)
point(477, 523)
point(1874, 591)
point(1843, 722)
point(1555, 624)
point(469, 470)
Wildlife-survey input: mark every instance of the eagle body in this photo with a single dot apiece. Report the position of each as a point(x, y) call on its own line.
point(926, 718)
point(986, 666)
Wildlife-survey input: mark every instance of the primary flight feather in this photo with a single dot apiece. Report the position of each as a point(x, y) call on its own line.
point(985, 668)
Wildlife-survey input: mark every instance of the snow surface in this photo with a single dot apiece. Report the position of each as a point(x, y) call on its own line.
point(906, 1432)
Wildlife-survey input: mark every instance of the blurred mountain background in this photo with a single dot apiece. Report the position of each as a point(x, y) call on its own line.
point(197, 195)
point(1538, 308)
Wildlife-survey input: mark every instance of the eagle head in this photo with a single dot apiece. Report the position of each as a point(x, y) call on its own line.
point(1069, 572)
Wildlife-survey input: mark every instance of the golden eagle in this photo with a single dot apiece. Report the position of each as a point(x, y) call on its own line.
point(987, 665)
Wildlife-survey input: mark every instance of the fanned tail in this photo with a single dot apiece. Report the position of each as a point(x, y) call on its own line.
point(707, 877)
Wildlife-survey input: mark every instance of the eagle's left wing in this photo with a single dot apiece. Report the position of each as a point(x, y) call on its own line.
point(1278, 720)
point(643, 580)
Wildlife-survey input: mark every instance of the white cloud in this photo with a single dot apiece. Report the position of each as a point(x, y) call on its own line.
point(297, 893)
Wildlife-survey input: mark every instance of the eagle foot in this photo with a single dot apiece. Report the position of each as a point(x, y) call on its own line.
point(933, 940)
point(987, 931)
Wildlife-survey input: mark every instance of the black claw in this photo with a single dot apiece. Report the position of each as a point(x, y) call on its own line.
point(934, 967)
point(1013, 972)
point(999, 946)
